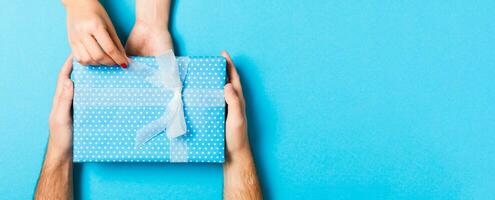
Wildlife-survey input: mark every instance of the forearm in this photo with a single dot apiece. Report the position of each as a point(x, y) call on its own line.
point(153, 12)
point(55, 180)
point(240, 179)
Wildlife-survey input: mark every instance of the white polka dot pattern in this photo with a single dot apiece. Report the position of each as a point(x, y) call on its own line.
point(111, 103)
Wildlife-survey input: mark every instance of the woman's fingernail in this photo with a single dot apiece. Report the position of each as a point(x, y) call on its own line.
point(123, 65)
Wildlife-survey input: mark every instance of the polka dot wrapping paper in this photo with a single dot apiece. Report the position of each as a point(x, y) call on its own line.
point(111, 104)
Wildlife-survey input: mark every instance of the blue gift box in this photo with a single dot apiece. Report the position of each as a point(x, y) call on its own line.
point(111, 104)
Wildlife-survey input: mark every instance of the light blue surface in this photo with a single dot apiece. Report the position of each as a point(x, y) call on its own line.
point(114, 107)
point(346, 99)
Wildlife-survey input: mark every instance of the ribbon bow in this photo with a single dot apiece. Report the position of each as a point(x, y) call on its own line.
point(172, 121)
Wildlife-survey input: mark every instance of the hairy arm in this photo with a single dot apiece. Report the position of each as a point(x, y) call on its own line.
point(240, 179)
point(55, 181)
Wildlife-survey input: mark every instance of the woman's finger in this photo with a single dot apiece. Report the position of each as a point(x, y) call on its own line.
point(96, 52)
point(110, 48)
point(75, 51)
point(84, 57)
point(115, 37)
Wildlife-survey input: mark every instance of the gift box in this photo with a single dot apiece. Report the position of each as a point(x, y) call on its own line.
point(112, 105)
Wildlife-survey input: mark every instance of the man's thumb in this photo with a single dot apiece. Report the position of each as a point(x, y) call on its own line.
point(65, 98)
point(233, 101)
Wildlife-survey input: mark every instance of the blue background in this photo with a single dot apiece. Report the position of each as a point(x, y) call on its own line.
point(346, 99)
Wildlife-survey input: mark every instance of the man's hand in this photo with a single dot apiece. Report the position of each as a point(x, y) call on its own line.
point(92, 36)
point(60, 120)
point(236, 123)
point(55, 180)
point(240, 179)
point(150, 35)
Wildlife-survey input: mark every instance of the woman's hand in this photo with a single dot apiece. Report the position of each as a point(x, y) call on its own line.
point(150, 35)
point(92, 36)
point(148, 40)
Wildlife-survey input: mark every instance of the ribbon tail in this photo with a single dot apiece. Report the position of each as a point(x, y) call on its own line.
point(177, 124)
point(151, 130)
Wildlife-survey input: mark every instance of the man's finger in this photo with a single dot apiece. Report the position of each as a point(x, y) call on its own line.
point(234, 104)
point(232, 73)
point(110, 48)
point(66, 68)
point(62, 76)
point(64, 105)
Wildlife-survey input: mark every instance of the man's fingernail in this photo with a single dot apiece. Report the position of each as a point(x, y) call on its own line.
point(123, 65)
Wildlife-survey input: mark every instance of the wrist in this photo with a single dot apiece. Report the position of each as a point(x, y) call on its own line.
point(58, 158)
point(153, 13)
point(67, 3)
point(239, 157)
point(151, 25)
point(56, 154)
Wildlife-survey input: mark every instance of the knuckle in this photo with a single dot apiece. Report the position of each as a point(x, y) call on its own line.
point(112, 50)
point(232, 97)
point(108, 62)
point(99, 57)
point(88, 26)
point(56, 120)
point(236, 101)
point(89, 61)
point(84, 61)
point(239, 122)
point(70, 85)
point(67, 96)
point(78, 28)
point(62, 97)
point(72, 43)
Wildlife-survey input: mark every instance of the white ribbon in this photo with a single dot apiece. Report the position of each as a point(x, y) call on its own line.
point(172, 121)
